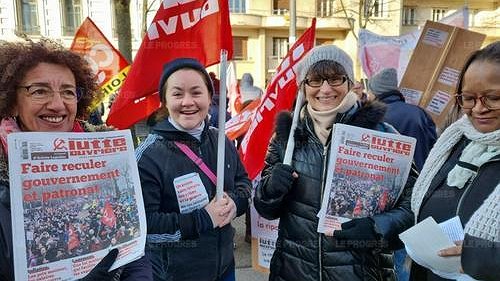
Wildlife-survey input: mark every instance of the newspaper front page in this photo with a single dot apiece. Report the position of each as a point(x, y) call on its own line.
point(366, 174)
point(74, 197)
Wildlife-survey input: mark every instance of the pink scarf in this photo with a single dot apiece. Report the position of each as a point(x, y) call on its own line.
point(9, 125)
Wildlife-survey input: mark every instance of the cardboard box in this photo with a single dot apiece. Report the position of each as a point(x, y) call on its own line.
point(431, 77)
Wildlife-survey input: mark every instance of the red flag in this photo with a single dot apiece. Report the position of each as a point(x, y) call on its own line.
point(233, 90)
point(279, 96)
point(107, 63)
point(198, 29)
point(108, 215)
point(382, 201)
point(358, 209)
point(239, 124)
point(73, 239)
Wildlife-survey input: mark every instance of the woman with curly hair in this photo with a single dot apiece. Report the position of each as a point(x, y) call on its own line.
point(46, 88)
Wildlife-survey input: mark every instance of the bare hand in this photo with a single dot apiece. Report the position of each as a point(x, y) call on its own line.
point(216, 210)
point(452, 251)
point(229, 210)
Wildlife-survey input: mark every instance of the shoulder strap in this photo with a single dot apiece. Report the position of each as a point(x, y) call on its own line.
point(197, 160)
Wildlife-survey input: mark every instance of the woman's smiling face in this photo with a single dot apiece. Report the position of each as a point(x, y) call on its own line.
point(187, 98)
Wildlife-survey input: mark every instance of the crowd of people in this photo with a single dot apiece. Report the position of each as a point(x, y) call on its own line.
point(61, 230)
point(46, 88)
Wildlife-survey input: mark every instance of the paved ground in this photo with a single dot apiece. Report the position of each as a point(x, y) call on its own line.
point(243, 255)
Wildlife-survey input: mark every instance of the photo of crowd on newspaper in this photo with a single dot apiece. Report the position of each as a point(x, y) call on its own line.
point(66, 228)
point(359, 198)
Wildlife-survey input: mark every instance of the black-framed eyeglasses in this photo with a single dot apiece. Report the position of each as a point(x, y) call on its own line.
point(334, 81)
point(467, 101)
point(42, 94)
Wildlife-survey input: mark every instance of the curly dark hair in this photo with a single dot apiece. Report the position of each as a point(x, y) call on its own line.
point(17, 58)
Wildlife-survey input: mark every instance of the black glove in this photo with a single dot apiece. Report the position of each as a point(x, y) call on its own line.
point(281, 180)
point(358, 233)
point(101, 270)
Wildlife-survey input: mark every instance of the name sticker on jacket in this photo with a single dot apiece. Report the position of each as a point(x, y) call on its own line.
point(191, 193)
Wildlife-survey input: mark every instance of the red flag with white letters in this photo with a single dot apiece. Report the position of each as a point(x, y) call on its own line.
point(196, 29)
point(108, 64)
point(108, 215)
point(279, 96)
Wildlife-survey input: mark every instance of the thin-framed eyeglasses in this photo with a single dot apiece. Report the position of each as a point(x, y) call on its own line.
point(334, 81)
point(42, 94)
point(490, 100)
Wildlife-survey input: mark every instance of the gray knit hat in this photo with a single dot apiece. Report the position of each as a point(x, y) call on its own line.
point(384, 81)
point(324, 52)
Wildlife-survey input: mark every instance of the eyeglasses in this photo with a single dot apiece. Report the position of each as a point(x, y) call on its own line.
point(467, 101)
point(332, 81)
point(42, 94)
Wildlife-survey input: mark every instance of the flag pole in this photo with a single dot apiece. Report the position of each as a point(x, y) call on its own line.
point(221, 140)
point(290, 145)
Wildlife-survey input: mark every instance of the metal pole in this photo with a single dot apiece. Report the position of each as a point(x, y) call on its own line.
point(293, 24)
point(221, 141)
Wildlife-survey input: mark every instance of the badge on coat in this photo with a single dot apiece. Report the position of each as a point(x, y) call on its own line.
point(191, 193)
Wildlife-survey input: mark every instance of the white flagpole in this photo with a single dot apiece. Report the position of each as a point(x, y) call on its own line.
point(221, 141)
point(290, 145)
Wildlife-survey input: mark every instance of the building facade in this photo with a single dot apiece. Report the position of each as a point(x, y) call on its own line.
point(260, 27)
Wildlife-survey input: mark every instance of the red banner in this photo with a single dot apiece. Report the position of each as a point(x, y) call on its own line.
point(279, 96)
point(107, 63)
point(198, 29)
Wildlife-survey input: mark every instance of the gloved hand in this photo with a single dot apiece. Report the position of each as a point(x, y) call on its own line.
point(281, 180)
point(100, 271)
point(358, 233)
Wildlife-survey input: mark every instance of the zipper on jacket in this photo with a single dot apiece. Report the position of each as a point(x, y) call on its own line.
point(471, 181)
point(323, 182)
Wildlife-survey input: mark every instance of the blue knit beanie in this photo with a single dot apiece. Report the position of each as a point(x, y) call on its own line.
point(170, 67)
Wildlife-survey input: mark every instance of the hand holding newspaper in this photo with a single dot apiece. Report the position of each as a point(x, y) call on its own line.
point(74, 197)
point(366, 174)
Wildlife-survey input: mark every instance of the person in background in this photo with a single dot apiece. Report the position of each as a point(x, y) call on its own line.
point(46, 88)
point(461, 175)
point(293, 193)
point(189, 235)
point(214, 105)
point(408, 119)
point(359, 89)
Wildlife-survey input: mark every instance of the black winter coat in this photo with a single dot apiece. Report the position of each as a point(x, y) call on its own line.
point(301, 252)
point(191, 249)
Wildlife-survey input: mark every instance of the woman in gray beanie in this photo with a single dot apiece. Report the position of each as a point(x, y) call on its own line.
point(189, 232)
point(293, 193)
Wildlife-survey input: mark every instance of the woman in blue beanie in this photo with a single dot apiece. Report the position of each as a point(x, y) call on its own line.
point(293, 193)
point(189, 232)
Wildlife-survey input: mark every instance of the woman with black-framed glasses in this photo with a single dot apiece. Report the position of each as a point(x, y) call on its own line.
point(293, 193)
point(46, 88)
point(461, 175)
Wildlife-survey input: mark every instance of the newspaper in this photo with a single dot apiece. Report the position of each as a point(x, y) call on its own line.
point(366, 174)
point(74, 197)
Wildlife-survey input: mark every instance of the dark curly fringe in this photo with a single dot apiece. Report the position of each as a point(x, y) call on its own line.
point(17, 58)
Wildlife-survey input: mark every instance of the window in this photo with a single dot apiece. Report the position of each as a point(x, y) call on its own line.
point(237, 6)
point(438, 14)
point(28, 17)
point(71, 16)
point(408, 15)
point(280, 47)
point(240, 48)
point(375, 8)
point(280, 7)
point(324, 8)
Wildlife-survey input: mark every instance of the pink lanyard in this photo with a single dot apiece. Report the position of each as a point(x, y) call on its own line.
point(198, 161)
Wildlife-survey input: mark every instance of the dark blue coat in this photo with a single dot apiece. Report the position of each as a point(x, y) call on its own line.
point(410, 120)
point(186, 246)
